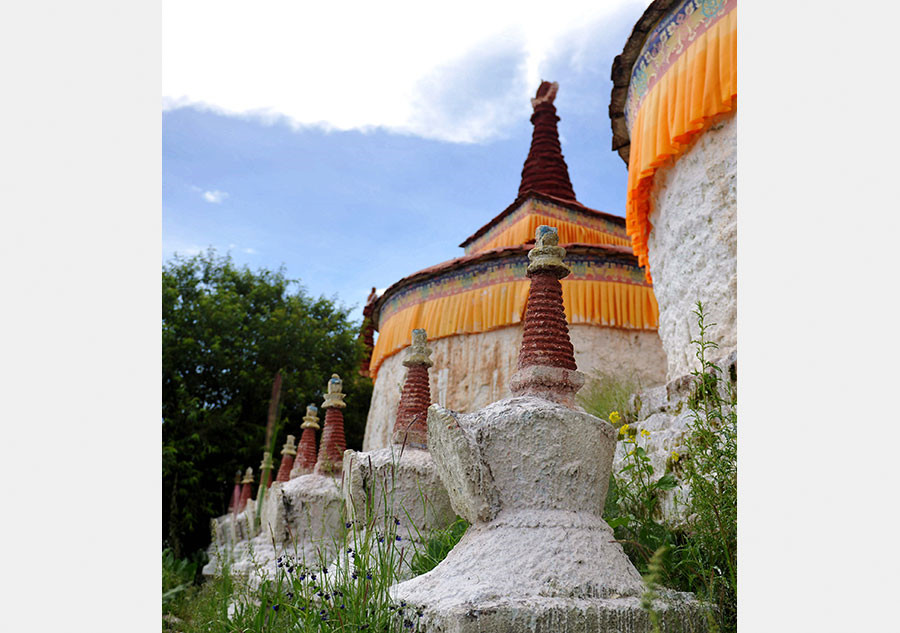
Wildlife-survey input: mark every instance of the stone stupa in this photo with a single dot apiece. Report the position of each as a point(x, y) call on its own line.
point(399, 483)
point(306, 510)
point(530, 473)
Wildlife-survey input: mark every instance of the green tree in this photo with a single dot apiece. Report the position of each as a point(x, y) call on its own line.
point(226, 333)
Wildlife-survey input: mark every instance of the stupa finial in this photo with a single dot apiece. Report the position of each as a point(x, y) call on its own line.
point(418, 353)
point(545, 170)
point(289, 447)
point(546, 366)
point(288, 451)
point(547, 255)
point(546, 93)
point(307, 452)
point(333, 443)
point(410, 426)
point(311, 419)
point(334, 397)
point(246, 489)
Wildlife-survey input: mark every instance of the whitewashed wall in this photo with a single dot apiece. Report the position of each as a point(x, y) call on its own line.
point(471, 371)
point(693, 244)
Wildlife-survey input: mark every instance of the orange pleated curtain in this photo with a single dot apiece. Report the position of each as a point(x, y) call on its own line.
point(700, 85)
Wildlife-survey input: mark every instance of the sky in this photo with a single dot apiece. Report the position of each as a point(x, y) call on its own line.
point(355, 152)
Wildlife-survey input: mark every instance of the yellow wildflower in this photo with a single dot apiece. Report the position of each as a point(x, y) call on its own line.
point(614, 417)
point(645, 433)
point(675, 457)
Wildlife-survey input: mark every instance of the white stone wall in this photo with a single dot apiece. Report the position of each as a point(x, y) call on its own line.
point(667, 422)
point(693, 245)
point(472, 370)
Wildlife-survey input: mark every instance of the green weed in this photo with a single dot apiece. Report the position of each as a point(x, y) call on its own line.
point(636, 518)
point(709, 557)
point(700, 557)
point(437, 546)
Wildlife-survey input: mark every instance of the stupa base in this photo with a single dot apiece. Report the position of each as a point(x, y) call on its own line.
point(397, 484)
point(541, 572)
point(305, 508)
point(299, 471)
point(572, 615)
point(300, 518)
point(555, 384)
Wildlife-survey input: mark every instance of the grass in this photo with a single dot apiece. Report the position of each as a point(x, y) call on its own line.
point(346, 592)
point(437, 546)
point(179, 579)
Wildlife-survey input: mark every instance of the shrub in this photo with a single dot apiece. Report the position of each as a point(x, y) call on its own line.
point(701, 558)
point(179, 576)
point(708, 559)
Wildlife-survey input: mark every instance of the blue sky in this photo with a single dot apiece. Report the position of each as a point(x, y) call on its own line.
point(394, 183)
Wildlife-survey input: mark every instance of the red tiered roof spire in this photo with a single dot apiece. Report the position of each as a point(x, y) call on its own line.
point(306, 453)
point(546, 366)
point(288, 451)
point(411, 428)
point(545, 169)
point(333, 443)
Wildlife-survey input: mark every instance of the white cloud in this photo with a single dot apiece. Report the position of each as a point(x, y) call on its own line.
point(360, 65)
point(250, 251)
point(184, 249)
point(214, 196)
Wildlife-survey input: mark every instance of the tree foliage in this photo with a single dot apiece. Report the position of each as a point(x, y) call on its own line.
point(226, 332)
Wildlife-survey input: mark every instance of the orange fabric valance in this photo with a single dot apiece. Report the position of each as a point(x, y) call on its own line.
point(607, 303)
point(523, 230)
point(699, 85)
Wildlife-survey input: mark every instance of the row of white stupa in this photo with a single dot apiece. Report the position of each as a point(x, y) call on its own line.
point(529, 473)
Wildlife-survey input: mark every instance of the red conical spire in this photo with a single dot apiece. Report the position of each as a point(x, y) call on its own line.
point(236, 493)
point(545, 169)
point(546, 366)
point(411, 428)
point(246, 489)
point(306, 453)
point(333, 443)
point(287, 459)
